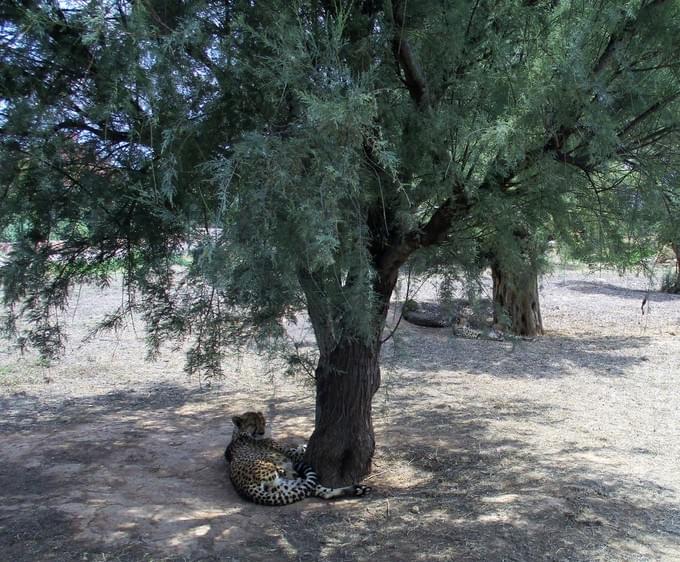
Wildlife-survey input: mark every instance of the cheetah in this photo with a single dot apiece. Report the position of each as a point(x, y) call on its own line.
point(461, 329)
point(268, 473)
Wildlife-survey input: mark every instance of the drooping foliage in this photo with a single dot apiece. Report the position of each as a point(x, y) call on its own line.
point(289, 144)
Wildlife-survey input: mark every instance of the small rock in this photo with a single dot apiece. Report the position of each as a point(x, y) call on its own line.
point(415, 509)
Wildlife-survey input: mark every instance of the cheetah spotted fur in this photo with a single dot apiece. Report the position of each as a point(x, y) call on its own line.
point(268, 473)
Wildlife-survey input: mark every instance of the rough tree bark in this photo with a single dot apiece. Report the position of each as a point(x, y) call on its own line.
point(343, 442)
point(347, 377)
point(515, 295)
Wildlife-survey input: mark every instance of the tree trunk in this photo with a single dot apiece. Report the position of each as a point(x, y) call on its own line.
point(347, 377)
point(342, 445)
point(515, 295)
point(675, 287)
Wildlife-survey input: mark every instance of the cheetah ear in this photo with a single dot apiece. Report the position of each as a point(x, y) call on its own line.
point(237, 421)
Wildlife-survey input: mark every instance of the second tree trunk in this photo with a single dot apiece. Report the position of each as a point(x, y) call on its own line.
point(515, 297)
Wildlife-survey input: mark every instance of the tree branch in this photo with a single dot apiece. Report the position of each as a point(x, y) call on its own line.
point(403, 53)
point(104, 133)
point(649, 111)
point(650, 138)
point(429, 233)
point(617, 38)
point(580, 162)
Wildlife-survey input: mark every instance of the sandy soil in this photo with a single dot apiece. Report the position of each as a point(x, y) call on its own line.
point(564, 448)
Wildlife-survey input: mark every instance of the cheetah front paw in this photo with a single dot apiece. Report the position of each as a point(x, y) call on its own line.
point(361, 490)
point(301, 449)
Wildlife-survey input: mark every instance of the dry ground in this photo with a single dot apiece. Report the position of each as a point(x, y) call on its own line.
point(565, 448)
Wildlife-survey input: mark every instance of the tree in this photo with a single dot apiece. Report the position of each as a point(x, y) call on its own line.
point(673, 283)
point(515, 291)
point(305, 151)
point(668, 213)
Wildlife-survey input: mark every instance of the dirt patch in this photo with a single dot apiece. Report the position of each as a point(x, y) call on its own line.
point(565, 448)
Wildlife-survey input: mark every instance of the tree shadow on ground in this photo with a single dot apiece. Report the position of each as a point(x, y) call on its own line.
point(446, 490)
point(512, 503)
point(599, 288)
point(141, 473)
point(130, 479)
point(24, 411)
point(545, 357)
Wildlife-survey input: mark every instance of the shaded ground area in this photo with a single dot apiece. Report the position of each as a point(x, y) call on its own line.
point(565, 448)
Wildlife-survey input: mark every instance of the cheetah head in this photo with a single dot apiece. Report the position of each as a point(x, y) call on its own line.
point(251, 424)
